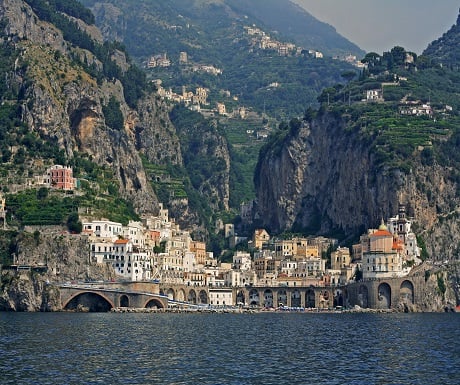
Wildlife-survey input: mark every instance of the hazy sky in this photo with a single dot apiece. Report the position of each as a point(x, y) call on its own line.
point(379, 25)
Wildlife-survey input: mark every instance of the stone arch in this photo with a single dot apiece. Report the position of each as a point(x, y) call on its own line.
point(180, 295)
point(384, 296)
point(295, 298)
point(203, 297)
point(338, 298)
point(89, 301)
point(268, 298)
point(282, 297)
point(363, 297)
point(191, 296)
point(154, 304)
point(170, 294)
point(240, 298)
point(254, 299)
point(124, 301)
point(406, 292)
point(310, 299)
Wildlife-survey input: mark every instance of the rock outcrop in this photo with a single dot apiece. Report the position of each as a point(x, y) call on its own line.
point(326, 179)
point(66, 258)
point(64, 104)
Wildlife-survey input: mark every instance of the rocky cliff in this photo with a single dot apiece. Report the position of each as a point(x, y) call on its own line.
point(326, 179)
point(64, 104)
point(63, 100)
point(67, 259)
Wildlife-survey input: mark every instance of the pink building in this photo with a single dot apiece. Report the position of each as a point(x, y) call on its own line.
point(61, 177)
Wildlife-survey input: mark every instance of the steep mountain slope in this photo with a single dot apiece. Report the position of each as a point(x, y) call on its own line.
point(216, 33)
point(352, 162)
point(293, 22)
point(58, 90)
point(445, 49)
point(261, 80)
point(72, 99)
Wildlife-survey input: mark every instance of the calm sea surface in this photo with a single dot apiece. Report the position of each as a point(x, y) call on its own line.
point(267, 348)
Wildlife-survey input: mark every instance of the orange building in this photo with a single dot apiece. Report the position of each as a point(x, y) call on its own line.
point(199, 248)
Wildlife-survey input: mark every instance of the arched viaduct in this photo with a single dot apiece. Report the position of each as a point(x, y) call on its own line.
point(386, 293)
point(375, 294)
point(257, 296)
point(103, 297)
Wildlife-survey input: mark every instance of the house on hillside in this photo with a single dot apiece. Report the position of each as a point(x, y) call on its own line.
point(60, 178)
point(375, 95)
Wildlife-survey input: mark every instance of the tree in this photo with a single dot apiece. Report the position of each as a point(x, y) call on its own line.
point(113, 115)
point(74, 224)
point(349, 75)
point(42, 193)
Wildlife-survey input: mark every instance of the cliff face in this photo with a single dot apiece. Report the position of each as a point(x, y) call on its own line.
point(64, 104)
point(325, 179)
point(67, 259)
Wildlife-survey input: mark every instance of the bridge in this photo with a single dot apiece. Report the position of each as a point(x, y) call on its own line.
point(386, 293)
point(257, 296)
point(103, 296)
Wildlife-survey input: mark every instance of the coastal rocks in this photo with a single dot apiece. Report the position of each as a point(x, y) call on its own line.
point(27, 291)
point(46, 259)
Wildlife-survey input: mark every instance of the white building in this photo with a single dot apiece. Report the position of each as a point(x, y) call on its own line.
point(242, 261)
point(103, 229)
point(220, 296)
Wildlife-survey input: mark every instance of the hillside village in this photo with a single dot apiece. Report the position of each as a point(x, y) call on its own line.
point(258, 40)
point(157, 249)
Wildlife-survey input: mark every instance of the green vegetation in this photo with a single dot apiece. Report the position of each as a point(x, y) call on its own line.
point(211, 34)
point(396, 139)
point(441, 285)
point(113, 115)
point(46, 10)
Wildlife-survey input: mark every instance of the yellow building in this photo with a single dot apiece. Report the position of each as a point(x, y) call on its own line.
point(260, 238)
point(340, 258)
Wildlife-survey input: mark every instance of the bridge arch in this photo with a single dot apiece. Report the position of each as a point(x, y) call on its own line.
point(240, 298)
point(282, 297)
point(254, 299)
point(310, 300)
point(154, 303)
point(203, 296)
point(191, 296)
point(268, 298)
point(384, 296)
point(180, 296)
point(170, 294)
point(338, 298)
point(124, 301)
point(295, 298)
point(406, 292)
point(89, 301)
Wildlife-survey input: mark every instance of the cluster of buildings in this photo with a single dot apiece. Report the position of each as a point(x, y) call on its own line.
point(156, 248)
point(160, 60)
point(262, 40)
point(196, 100)
point(56, 177)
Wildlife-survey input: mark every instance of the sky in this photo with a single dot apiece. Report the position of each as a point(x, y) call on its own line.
point(379, 25)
